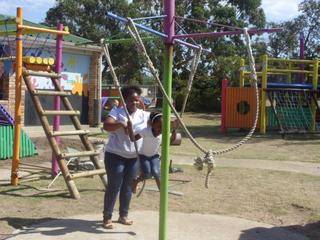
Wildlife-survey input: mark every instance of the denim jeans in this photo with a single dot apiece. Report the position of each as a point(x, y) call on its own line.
point(150, 166)
point(121, 172)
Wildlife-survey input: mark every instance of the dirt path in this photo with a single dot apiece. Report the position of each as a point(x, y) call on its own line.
point(288, 166)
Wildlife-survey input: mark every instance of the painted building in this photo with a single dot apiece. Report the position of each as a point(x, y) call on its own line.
point(81, 74)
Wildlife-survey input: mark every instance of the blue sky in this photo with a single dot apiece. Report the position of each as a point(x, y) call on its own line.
point(35, 10)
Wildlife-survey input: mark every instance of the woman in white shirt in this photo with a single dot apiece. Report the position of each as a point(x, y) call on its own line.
point(120, 156)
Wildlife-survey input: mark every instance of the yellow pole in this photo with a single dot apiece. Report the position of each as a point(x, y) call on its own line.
point(263, 94)
point(241, 72)
point(30, 29)
point(17, 113)
point(315, 87)
point(289, 73)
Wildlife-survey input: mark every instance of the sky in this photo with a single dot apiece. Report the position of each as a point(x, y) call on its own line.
point(35, 10)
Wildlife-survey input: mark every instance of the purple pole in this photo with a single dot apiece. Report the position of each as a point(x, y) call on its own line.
point(225, 33)
point(301, 38)
point(56, 120)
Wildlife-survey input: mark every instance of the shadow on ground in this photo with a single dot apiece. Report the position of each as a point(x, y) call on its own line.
point(58, 227)
point(310, 231)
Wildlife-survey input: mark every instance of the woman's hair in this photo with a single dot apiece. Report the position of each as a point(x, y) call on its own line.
point(155, 116)
point(128, 90)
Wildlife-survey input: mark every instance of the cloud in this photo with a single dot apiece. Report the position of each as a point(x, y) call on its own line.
point(33, 10)
point(278, 11)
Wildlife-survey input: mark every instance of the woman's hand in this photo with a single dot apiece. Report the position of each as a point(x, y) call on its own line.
point(111, 125)
point(124, 125)
point(130, 130)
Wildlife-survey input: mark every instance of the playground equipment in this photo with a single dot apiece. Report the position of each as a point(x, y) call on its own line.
point(44, 70)
point(169, 38)
point(6, 137)
point(289, 104)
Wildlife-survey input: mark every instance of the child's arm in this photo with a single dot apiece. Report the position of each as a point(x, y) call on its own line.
point(110, 124)
point(174, 134)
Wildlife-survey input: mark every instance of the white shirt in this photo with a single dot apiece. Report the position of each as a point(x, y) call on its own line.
point(150, 144)
point(119, 142)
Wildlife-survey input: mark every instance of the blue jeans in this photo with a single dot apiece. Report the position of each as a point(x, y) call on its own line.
point(150, 166)
point(121, 172)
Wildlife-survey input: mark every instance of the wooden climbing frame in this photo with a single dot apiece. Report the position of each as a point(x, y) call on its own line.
point(73, 114)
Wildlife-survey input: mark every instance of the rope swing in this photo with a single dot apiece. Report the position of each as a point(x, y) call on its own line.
point(209, 155)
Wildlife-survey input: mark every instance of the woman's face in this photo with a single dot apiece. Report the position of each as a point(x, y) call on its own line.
point(132, 101)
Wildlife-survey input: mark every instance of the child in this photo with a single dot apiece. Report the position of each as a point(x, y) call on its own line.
point(149, 156)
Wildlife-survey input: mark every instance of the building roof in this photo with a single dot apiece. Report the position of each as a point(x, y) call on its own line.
point(7, 27)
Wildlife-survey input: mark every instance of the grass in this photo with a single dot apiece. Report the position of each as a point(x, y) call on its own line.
point(271, 146)
point(206, 129)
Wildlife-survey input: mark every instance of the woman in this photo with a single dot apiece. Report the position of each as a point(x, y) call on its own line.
point(120, 157)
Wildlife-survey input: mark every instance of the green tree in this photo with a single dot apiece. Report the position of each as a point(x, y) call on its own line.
point(286, 43)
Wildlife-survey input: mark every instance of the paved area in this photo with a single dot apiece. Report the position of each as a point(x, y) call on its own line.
point(181, 226)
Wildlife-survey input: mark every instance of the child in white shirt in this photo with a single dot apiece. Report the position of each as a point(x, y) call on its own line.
point(149, 150)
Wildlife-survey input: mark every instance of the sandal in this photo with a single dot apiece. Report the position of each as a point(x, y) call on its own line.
point(125, 221)
point(107, 224)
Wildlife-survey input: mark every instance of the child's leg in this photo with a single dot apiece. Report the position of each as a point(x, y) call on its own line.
point(145, 167)
point(155, 169)
point(145, 172)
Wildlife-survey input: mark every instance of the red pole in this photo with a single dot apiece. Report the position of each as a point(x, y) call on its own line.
point(223, 127)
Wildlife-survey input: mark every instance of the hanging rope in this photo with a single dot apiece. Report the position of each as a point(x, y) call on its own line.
point(117, 85)
point(208, 159)
point(194, 66)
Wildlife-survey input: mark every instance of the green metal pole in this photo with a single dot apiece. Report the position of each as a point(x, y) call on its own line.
point(166, 111)
point(169, 29)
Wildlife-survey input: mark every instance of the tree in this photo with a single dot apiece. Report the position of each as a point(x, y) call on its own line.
point(286, 43)
point(87, 18)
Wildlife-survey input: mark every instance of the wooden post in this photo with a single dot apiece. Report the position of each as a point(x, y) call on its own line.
point(241, 83)
point(17, 112)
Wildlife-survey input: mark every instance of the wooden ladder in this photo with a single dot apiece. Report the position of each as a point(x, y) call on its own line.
point(83, 134)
